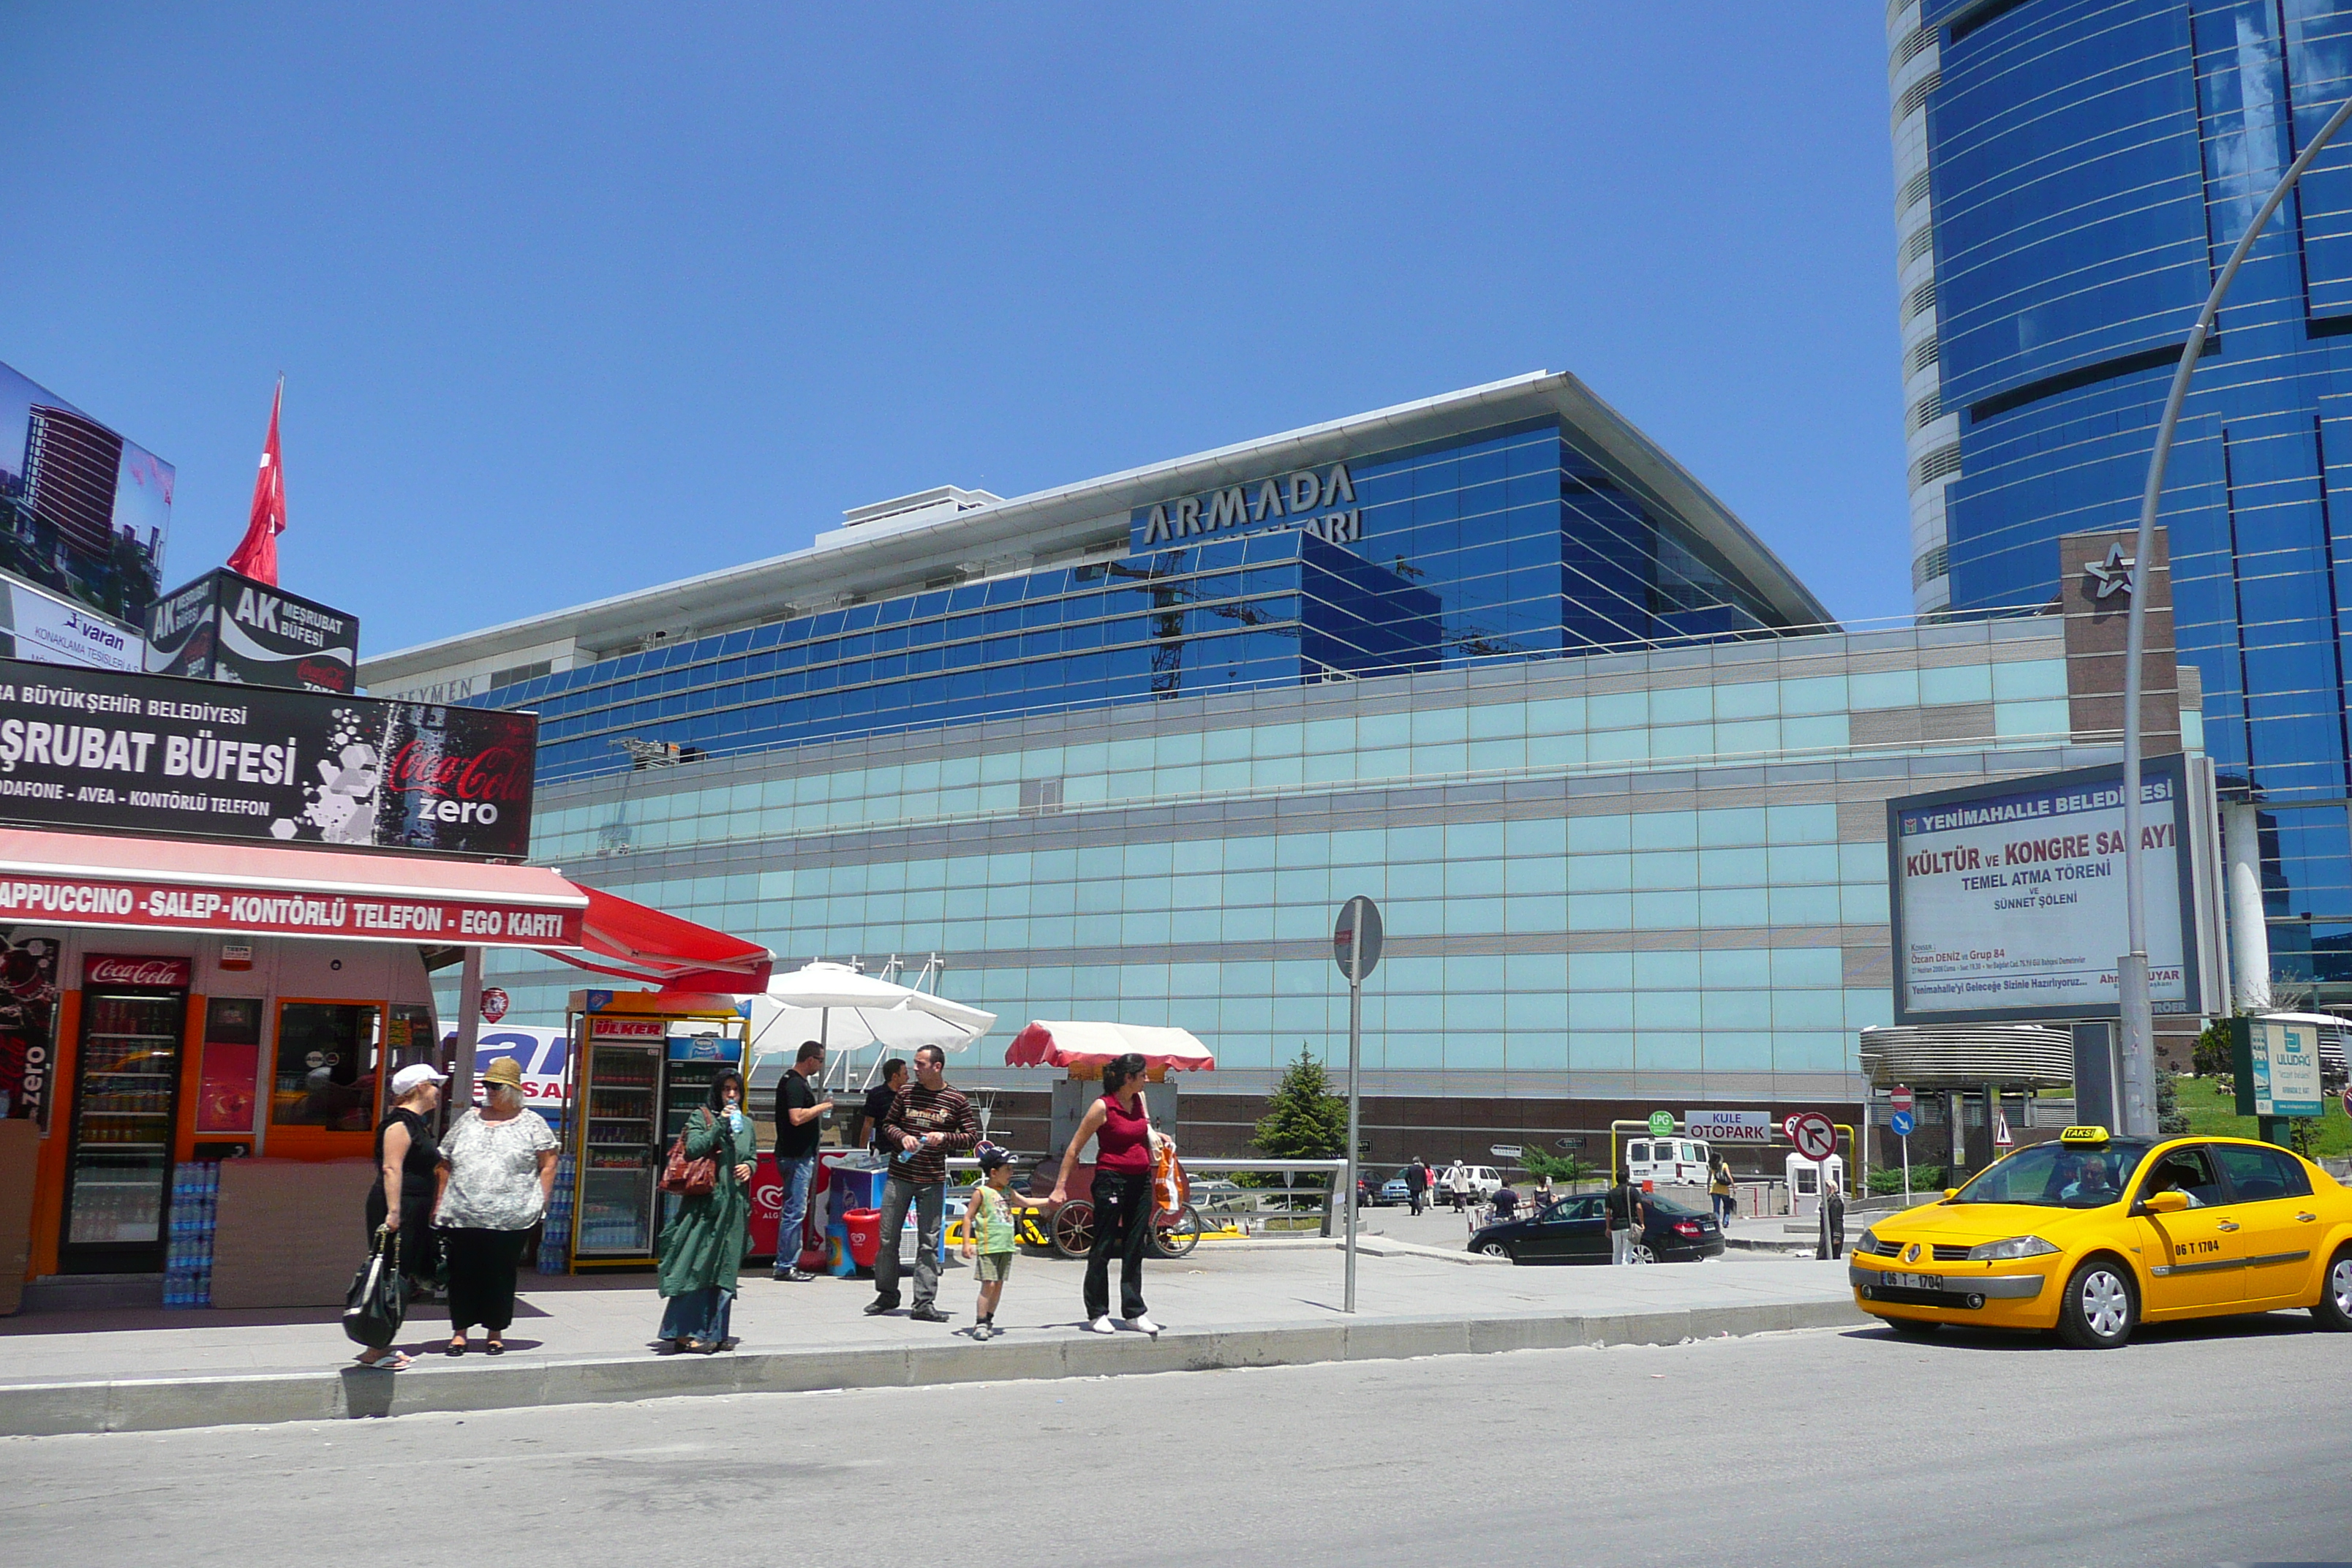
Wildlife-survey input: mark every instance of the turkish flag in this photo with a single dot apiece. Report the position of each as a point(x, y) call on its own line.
point(257, 554)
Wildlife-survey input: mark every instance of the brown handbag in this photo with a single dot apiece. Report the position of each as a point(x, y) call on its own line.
point(690, 1178)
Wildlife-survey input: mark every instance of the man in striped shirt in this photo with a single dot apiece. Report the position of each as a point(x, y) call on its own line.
point(927, 1122)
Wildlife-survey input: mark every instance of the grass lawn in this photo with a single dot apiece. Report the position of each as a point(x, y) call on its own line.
point(2215, 1114)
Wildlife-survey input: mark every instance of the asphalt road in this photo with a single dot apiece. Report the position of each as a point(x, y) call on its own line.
point(2196, 1444)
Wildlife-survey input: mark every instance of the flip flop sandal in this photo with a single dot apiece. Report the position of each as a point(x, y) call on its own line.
point(395, 1361)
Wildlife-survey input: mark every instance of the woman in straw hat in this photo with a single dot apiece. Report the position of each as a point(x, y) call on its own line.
point(501, 1167)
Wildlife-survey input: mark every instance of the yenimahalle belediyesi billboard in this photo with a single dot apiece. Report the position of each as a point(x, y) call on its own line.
point(2007, 899)
point(95, 750)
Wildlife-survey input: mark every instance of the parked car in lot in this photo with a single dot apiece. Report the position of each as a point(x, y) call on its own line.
point(2094, 1235)
point(1575, 1230)
point(1396, 1190)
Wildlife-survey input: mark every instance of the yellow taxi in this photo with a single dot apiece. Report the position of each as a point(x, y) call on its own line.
point(2093, 1235)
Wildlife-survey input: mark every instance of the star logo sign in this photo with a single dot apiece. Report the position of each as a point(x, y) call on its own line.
point(2112, 574)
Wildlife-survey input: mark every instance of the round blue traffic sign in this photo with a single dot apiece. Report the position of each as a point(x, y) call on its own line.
point(1901, 1123)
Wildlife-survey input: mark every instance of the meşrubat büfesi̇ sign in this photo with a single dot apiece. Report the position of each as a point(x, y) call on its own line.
point(135, 902)
point(2007, 899)
point(95, 749)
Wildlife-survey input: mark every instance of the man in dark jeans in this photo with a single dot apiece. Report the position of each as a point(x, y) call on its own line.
point(865, 1132)
point(927, 1122)
point(1416, 1182)
point(798, 1112)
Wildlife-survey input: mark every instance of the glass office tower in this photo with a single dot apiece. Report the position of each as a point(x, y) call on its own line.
point(2070, 176)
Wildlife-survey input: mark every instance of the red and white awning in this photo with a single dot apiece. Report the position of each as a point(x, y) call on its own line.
point(1091, 1045)
point(177, 884)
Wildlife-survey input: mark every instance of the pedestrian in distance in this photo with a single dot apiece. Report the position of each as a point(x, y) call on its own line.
point(1832, 1218)
point(798, 1114)
point(1457, 1185)
point(1718, 1188)
point(988, 1234)
point(866, 1127)
point(1626, 1211)
point(1119, 1122)
point(702, 1247)
point(407, 1182)
point(500, 1162)
point(1416, 1183)
point(926, 1123)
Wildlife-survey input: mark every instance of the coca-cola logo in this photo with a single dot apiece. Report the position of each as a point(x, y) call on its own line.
point(498, 774)
point(138, 970)
point(332, 677)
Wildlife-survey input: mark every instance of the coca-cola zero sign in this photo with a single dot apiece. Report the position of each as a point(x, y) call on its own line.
point(88, 748)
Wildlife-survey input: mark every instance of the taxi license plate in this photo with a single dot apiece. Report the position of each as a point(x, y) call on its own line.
point(1915, 1281)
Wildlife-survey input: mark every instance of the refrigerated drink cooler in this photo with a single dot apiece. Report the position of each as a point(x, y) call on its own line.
point(635, 1092)
point(125, 1108)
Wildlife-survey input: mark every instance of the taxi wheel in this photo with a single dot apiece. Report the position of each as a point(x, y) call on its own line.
point(2332, 1310)
point(2099, 1309)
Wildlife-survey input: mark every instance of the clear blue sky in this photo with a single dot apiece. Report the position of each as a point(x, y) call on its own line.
point(576, 298)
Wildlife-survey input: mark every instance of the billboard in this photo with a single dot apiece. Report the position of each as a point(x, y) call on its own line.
point(2007, 899)
point(226, 626)
point(543, 1057)
point(152, 753)
point(83, 513)
point(41, 625)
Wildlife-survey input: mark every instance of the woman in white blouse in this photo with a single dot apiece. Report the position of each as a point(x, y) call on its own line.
point(500, 1162)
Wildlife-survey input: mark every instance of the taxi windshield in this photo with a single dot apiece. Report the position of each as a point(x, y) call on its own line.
point(2060, 1175)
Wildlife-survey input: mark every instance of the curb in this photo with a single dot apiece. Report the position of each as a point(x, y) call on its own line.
point(165, 1404)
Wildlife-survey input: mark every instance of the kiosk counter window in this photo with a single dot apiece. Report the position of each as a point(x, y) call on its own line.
point(326, 1066)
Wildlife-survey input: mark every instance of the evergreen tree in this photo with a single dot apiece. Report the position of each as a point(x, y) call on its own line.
point(2171, 1121)
point(1303, 1120)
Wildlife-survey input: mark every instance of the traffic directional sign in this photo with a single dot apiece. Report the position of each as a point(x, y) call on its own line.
point(1505, 1151)
point(1900, 1123)
point(1899, 1100)
point(1662, 1123)
point(1813, 1133)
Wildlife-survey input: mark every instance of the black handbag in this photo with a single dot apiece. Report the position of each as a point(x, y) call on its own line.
point(377, 1302)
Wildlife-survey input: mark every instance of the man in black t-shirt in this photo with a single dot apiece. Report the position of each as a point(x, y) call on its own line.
point(862, 1132)
point(797, 1111)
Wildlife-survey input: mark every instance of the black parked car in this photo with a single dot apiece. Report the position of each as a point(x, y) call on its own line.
point(1574, 1230)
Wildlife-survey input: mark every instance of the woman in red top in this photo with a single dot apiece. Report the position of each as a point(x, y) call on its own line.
point(1120, 1126)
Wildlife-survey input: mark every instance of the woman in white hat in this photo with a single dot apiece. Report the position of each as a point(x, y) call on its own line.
point(407, 1174)
point(501, 1161)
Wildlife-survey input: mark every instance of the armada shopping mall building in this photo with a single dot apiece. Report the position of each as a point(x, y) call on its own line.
point(1118, 750)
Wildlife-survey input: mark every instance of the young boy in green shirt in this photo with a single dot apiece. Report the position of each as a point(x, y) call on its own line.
point(988, 1232)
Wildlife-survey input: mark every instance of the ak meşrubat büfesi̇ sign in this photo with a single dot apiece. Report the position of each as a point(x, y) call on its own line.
point(94, 749)
point(226, 626)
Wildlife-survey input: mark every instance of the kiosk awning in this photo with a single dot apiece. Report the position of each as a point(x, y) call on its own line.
point(674, 953)
point(181, 884)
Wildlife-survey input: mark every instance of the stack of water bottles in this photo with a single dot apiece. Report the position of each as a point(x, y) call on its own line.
point(188, 1253)
point(555, 1241)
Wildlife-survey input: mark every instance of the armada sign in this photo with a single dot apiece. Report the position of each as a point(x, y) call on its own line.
point(1304, 499)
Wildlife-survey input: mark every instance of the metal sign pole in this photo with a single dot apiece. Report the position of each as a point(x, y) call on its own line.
point(1355, 1066)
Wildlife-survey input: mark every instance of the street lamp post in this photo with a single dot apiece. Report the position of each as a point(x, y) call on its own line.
point(2131, 969)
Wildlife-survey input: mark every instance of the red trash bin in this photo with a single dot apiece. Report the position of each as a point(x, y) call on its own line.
point(865, 1236)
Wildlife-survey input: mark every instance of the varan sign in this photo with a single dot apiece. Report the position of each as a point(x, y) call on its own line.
point(1304, 499)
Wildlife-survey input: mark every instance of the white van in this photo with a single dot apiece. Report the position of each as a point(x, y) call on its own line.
point(1669, 1161)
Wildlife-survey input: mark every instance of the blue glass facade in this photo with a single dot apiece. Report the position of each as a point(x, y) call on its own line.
point(2091, 163)
point(1500, 542)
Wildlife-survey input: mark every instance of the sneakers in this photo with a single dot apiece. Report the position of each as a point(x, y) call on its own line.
point(1144, 1326)
point(983, 1330)
point(881, 1304)
point(1102, 1325)
point(928, 1315)
point(796, 1275)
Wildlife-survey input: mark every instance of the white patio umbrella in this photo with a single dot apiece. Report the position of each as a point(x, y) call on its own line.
point(846, 1012)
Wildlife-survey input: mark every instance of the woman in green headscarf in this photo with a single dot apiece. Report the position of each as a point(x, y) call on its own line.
point(702, 1247)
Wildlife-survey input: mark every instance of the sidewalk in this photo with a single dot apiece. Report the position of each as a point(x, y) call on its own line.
point(588, 1340)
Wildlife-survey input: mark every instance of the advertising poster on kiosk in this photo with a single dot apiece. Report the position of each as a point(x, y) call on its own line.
point(150, 754)
point(2007, 899)
point(226, 626)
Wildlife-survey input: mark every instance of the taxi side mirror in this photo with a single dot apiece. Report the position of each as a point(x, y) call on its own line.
point(2162, 1203)
point(1951, 1191)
